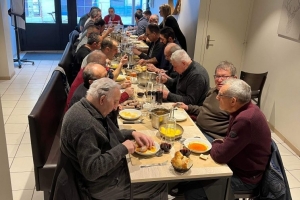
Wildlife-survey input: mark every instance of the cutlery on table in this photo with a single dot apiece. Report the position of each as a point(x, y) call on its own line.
point(140, 121)
point(155, 164)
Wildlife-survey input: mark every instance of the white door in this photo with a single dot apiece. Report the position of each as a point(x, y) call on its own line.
point(224, 23)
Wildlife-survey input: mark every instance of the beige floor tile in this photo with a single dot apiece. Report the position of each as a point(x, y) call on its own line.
point(26, 138)
point(21, 111)
point(38, 195)
point(35, 85)
point(22, 180)
point(23, 164)
point(14, 138)
point(5, 118)
point(2, 91)
point(24, 151)
point(288, 148)
point(17, 119)
point(295, 193)
point(22, 194)
point(4, 84)
point(8, 104)
point(14, 91)
point(284, 151)
point(7, 111)
point(296, 174)
point(17, 85)
point(26, 104)
point(15, 128)
point(37, 81)
point(291, 162)
point(22, 80)
point(12, 150)
point(10, 160)
point(11, 97)
point(29, 97)
point(293, 182)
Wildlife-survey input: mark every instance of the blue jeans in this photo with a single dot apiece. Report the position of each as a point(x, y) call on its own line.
point(194, 190)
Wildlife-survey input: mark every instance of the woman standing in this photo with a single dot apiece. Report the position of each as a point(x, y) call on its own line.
point(170, 21)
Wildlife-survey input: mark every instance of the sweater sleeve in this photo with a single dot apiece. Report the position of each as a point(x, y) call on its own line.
point(236, 140)
point(193, 109)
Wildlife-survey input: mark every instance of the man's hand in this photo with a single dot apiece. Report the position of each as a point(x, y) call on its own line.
point(142, 139)
point(152, 68)
point(124, 60)
point(165, 94)
point(142, 62)
point(129, 146)
point(110, 29)
point(136, 52)
point(129, 91)
point(181, 105)
point(126, 84)
point(142, 37)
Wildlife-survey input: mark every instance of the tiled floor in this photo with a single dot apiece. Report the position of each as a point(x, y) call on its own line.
point(18, 97)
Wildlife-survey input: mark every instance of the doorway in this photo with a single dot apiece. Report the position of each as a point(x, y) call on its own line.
point(48, 24)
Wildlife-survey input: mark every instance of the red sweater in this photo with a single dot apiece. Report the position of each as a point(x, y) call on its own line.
point(77, 81)
point(247, 146)
point(114, 20)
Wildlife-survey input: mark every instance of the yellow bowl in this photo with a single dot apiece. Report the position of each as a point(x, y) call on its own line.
point(172, 133)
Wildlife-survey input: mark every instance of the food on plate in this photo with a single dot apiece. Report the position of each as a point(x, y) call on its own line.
point(131, 104)
point(114, 65)
point(140, 68)
point(146, 150)
point(181, 162)
point(120, 78)
point(171, 132)
point(129, 114)
point(197, 146)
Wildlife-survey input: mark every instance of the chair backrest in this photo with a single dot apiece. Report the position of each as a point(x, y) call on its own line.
point(67, 61)
point(73, 36)
point(45, 118)
point(256, 81)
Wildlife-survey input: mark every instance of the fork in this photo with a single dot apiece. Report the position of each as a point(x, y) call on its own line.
point(155, 164)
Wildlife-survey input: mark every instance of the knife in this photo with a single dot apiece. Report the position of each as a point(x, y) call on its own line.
point(134, 122)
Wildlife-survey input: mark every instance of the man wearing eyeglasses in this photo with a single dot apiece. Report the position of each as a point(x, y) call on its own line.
point(212, 121)
point(247, 146)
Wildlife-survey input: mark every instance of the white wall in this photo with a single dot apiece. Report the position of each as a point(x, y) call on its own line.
point(266, 51)
point(12, 33)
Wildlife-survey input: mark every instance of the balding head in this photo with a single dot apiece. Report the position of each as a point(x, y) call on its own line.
point(93, 71)
point(169, 49)
point(97, 56)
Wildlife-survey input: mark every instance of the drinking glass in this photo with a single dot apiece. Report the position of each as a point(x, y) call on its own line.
point(149, 90)
point(170, 131)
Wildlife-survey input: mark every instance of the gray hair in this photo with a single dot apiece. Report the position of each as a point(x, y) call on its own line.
point(93, 37)
point(238, 89)
point(227, 66)
point(97, 56)
point(102, 86)
point(174, 48)
point(108, 42)
point(94, 12)
point(179, 56)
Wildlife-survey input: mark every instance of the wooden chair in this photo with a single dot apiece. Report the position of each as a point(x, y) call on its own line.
point(257, 82)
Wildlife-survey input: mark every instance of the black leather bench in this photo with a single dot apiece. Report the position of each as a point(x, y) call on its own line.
point(67, 62)
point(45, 124)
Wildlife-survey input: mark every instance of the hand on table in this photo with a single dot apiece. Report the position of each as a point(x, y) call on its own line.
point(142, 139)
point(130, 146)
point(180, 105)
point(142, 62)
point(163, 78)
point(152, 68)
point(129, 91)
point(165, 94)
point(126, 84)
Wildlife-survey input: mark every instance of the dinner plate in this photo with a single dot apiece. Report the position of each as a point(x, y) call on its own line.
point(130, 114)
point(206, 143)
point(148, 152)
point(179, 115)
point(120, 78)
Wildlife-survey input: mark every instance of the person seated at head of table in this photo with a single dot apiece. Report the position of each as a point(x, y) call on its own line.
point(99, 57)
point(166, 36)
point(152, 32)
point(246, 149)
point(192, 83)
point(93, 43)
point(97, 27)
point(212, 121)
point(95, 149)
point(112, 17)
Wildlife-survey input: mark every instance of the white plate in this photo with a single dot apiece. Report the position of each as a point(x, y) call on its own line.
point(197, 140)
point(130, 114)
point(120, 78)
point(179, 115)
point(149, 153)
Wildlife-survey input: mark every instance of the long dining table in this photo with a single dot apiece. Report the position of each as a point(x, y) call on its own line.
point(216, 177)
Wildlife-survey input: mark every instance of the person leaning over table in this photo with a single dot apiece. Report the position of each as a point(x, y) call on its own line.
point(152, 32)
point(141, 24)
point(170, 21)
point(211, 120)
point(192, 83)
point(96, 148)
point(98, 57)
point(247, 146)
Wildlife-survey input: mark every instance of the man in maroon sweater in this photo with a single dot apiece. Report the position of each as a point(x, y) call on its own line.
point(247, 146)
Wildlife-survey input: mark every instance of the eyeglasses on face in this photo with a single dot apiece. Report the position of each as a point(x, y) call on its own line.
point(223, 95)
point(221, 77)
